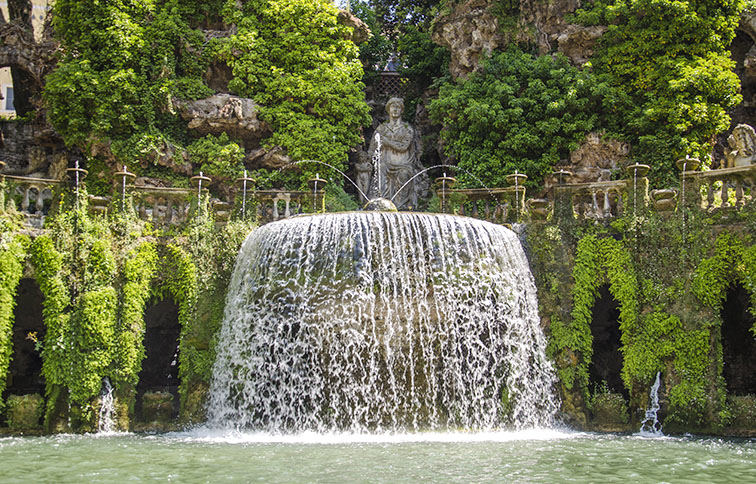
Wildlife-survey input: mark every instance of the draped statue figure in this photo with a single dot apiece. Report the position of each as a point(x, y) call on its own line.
point(399, 161)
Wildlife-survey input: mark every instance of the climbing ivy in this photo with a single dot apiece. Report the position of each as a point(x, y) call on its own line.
point(731, 262)
point(137, 273)
point(13, 253)
point(670, 65)
point(76, 269)
point(597, 261)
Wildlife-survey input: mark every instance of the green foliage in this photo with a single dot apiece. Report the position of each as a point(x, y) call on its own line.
point(374, 53)
point(181, 283)
point(137, 274)
point(669, 62)
point(95, 276)
point(294, 59)
point(598, 261)
point(48, 266)
point(520, 113)
point(125, 64)
point(76, 270)
point(12, 257)
point(670, 289)
point(421, 62)
point(217, 156)
point(25, 411)
point(200, 274)
point(731, 262)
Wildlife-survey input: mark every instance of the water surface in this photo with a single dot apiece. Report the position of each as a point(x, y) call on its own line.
point(527, 456)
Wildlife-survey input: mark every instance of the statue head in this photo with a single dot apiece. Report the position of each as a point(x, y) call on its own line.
point(745, 138)
point(397, 105)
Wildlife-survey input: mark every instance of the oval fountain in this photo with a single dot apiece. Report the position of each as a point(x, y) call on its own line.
point(378, 321)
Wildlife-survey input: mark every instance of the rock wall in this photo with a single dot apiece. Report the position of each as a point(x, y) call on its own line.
point(473, 28)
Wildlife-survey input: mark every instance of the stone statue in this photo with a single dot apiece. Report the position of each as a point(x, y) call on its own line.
point(364, 169)
point(742, 143)
point(399, 156)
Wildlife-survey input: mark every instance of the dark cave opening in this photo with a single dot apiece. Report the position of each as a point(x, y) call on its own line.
point(606, 364)
point(738, 343)
point(160, 368)
point(25, 371)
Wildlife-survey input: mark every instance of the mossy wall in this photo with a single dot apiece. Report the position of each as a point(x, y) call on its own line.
point(97, 274)
point(669, 280)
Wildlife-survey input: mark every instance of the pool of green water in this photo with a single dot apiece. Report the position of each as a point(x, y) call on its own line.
point(529, 456)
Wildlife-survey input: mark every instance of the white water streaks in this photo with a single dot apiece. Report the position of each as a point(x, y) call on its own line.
point(651, 425)
point(106, 421)
point(381, 322)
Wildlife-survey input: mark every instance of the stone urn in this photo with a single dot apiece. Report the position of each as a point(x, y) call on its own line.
point(516, 179)
point(664, 200)
point(637, 170)
point(562, 176)
point(688, 164)
point(200, 181)
point(538, 208)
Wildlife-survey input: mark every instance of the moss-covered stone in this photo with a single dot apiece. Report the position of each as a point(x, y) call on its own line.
point(743, 411)
point(25, 411)
point(157, 407)
point(193, 409)
point(610, 412)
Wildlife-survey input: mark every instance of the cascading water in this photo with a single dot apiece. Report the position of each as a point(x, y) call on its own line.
point(378, 321)
point(651, 425)
point(106, 421)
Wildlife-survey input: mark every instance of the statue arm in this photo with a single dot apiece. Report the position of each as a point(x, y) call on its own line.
point(401, 142)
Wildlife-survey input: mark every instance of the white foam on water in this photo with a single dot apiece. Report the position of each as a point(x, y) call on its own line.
point(223, 436)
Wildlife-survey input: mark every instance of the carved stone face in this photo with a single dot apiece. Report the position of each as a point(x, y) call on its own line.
point(395, 110)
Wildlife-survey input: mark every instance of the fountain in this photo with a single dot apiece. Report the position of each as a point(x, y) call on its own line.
point(377, 321)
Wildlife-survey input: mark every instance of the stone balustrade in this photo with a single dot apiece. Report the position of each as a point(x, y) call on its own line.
point(272, 205)
point(32, 196)
point(165, 207)
point(722, 188)
point(495, 205)
point(601, 200)
point(162, 206)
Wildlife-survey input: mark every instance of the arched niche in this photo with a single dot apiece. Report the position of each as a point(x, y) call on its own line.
point(738, 342)
point(606, 364)
point(160, 368)
point(25, 371)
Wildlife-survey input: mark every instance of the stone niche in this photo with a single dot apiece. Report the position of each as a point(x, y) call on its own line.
point(738, 343)
point(159, 379)
point(606, 364)
point(25, 372)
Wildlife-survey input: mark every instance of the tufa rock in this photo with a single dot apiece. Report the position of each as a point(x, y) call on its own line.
point(470, 30)
point(360, 31)
point(224, 113)
point(271, 158)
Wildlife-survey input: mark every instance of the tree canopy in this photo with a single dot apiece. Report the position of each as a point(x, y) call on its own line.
point(670, 61)
point(126, 63)
point(519, 113)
